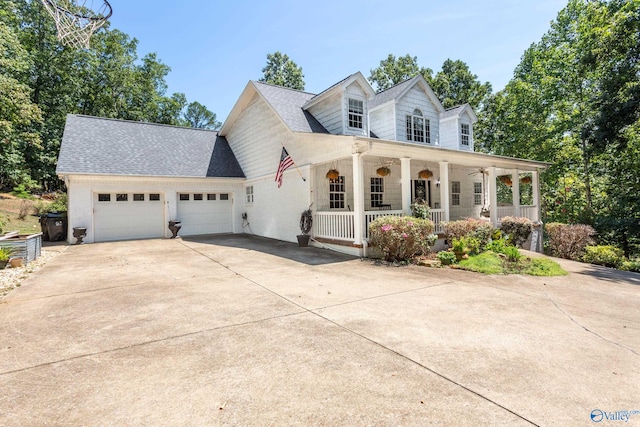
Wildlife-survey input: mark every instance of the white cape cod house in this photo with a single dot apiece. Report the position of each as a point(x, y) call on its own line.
point(358, 155)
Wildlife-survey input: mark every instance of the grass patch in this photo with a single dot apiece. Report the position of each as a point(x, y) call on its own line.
point(544, 267)
point(485, 263)
point(491, 263)
point(29, 225)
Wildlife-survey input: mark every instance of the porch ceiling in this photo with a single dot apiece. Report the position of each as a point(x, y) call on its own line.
point(394, 149)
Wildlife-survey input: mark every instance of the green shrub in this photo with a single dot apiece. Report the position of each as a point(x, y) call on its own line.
point(609, 256)
point(512, 253)
point(59, 204)
point(631, 266)
point(568, 241)
point(21, 192)
point(498, 246)
point(420, 209)
point(401, 238)
point(486, 263)
point(518, 229)
point(465, 245)
point(470, 227)
point(446, 257)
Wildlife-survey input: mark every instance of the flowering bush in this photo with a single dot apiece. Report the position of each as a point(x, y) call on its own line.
point(569, 241)
point(518, 229)
point(401, 238)
point(470, 227)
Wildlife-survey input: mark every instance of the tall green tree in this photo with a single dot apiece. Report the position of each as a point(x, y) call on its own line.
point(455, 85)
point(392, 71)
point(198, 116)
point(282, 71)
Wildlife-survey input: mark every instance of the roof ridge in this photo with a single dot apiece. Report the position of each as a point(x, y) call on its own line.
point(283, 87)
point(138, 122)
point(398, 84)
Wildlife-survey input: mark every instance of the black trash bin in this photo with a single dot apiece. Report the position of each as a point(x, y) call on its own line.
point(55, 224)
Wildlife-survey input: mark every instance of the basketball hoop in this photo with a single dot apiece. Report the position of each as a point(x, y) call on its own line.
point(77, 20)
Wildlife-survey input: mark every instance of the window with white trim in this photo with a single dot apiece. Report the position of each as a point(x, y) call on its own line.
point(336, 193)
point(377, 192)
point(356, 113)
point(455, 193)
point(418, 127)
point(464, 134)
point(477, 193)
point(248, 191)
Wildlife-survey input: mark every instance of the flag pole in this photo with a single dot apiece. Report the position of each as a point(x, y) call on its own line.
point(294, 164)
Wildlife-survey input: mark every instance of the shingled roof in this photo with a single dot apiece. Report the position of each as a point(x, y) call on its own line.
point(94, 145)
point(288, 103)
point(391, 93)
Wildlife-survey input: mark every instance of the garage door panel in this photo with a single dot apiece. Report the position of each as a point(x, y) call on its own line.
point(124, 220)
point(205, 216)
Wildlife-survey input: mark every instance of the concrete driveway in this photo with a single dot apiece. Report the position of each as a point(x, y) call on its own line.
point(237, 330)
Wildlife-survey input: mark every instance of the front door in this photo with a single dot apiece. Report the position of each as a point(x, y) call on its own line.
point(421, 189)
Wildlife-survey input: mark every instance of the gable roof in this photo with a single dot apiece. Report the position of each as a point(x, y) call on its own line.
point(94, 145)
point(394, 93)
point(459, 111)
point(341, 85)
point(286, 104)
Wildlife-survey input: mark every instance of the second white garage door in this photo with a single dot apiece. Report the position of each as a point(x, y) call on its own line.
point(205, 213)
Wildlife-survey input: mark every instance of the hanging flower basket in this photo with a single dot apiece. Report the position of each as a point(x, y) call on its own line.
point(506, 179)
point(383, 171)
point(425, 174)
point(526, 180)
point(333, 174)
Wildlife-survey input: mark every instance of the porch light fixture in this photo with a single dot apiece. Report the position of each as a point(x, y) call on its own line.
point(383, 171)
point(425, 174)
point(333, 174)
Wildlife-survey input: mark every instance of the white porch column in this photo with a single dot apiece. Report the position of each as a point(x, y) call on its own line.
point(405, 183)
point(493, 197)
point(515, 191)
point(444, 190)
point(535, 190)
point(358, 199)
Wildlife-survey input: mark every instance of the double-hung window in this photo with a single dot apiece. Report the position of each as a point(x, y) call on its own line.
point(464, 134)
point(336, 193)
point(455, 193)
point(356, 113)
point(377, 192)
point(249, 194)
point(477, 193)
point(418, 127)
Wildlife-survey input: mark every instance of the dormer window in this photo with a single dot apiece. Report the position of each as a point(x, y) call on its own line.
point(356, 112)
point(464, 134)
point(418, 127)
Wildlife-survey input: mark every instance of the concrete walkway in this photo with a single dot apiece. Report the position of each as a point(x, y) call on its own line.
point(237, 330)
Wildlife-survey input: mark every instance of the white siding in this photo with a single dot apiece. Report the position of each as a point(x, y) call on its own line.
point(413, 99)
point(467, 208)
point(329, 114)
point(256, 139)
point(382, 122)
point(449, 134)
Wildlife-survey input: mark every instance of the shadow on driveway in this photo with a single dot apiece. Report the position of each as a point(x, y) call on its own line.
point(291, 251)
point(611, 274)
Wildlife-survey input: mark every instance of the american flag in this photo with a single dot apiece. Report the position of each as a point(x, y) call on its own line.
point(285, 163)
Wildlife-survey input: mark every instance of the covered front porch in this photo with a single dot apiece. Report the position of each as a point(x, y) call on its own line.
point(350, 193)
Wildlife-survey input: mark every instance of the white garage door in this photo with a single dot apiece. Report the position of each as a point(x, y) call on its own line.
point(202, 213)
point(125, 216)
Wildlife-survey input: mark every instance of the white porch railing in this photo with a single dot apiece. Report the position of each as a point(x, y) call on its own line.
point(334, 225)
point(370, 216)
point(530, 212)
point(437, 216)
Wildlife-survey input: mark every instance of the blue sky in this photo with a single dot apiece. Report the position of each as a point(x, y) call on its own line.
point(215, 47)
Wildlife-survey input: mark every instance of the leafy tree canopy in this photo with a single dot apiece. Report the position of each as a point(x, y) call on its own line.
point(282, 71)
point(198, 116)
